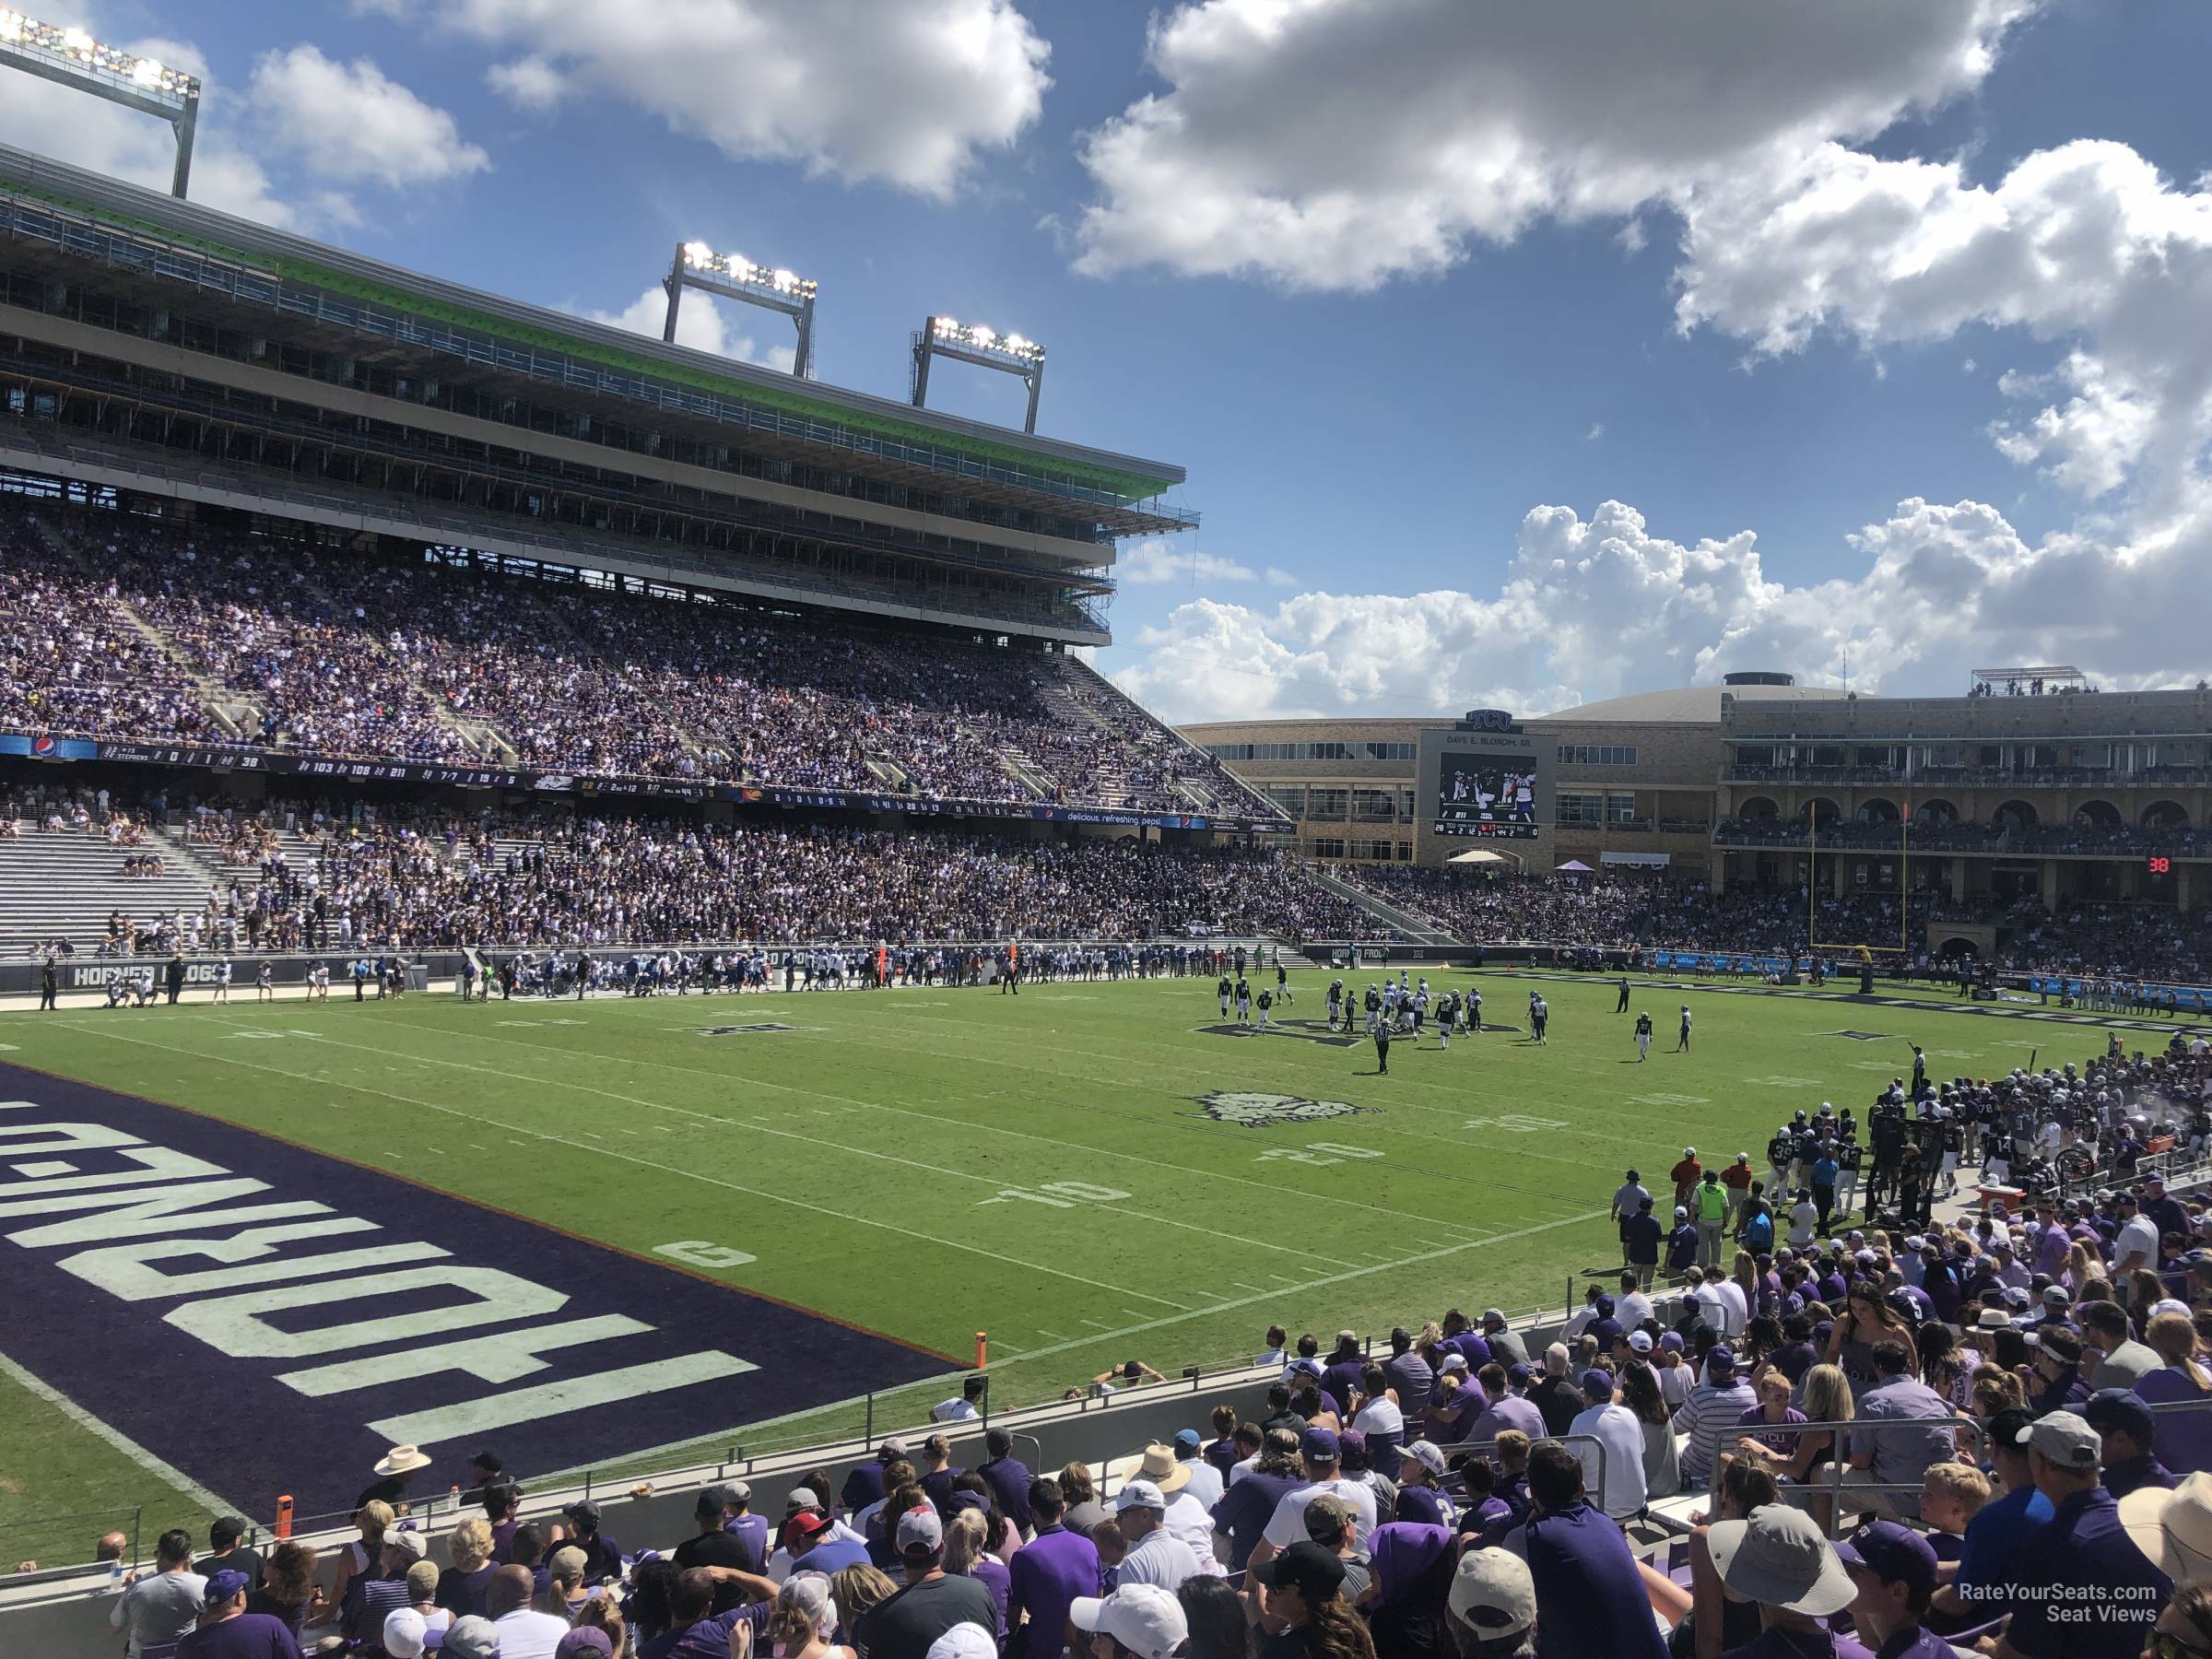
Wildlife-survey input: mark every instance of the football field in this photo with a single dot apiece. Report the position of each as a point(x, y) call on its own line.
point(748, 1212)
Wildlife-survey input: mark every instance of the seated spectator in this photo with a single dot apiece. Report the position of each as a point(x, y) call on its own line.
point(1493, 1606)
point(2183, 1439)
point(931, 1602)
point(2084, 1544)
point(524, 1631)
point(1951, 1495)
point(1778, 1559)
point(227, 1549)
point(1903, 1426)
point(1303, 1607)
point(1893, 1579)
point(1587, 1583)
point(2129, 1432)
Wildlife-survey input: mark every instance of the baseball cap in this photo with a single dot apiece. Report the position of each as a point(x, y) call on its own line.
point(2064, 1438)
point(807, 1523)
point(1315, 1572)
point(1597, 1385)
point(1640, 1341)
point(224, 1584)
point(1453, 1362)
point(920, 1532)
point(567, 1562)
point(1320, 1446)
point(585, 1639)
point(405, 1633)
point(2058, 1296)
point(1721, 1362)
point(712, 1500)
point(472, 1636)
point(1187, 1442)
point(2121, 1408)
point(892, 1448)
point(1425, 1452)
point(1892, 1553)
point(411, 1544)
point(1492, 1316)
point(1493, 1594)
point(1325, 1517)
point(1138, 1494)
point(1779, 1555)
point(584, 1512)
point(966, 1639)
point(1517, 1374)
point(1144, 1619)
point(801, 1497)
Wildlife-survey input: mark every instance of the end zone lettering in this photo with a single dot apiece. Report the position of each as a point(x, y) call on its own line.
point(153, 1256)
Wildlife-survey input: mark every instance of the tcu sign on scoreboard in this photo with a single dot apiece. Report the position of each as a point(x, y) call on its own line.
point(1487, 777)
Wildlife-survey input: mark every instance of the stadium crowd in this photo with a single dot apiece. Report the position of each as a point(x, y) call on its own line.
point(1991, 1417)
point(138, 630)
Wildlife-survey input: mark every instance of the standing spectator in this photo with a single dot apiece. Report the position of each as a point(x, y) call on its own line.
point(227, 1632)
point(711, 1547)
point(1618, 1473)
point(1009, 1478)
point(1142, 1620)
point(160, 1607)
point(1156, 1556)
point(1586, 1581)
point(1641, 1237)
point(1287, 1524)
point(468, 1553)
point(524, 1631)
point(930, 1602)
point(226, 1537)
point(1493, 1606)
point(1046, 1575)
point(1408, 1373)
point(2125, 1361)
point(1302, 1602)
point(1628, 1198)
point(1710, 1417)
point(602, 1554)
point(1711, 1201)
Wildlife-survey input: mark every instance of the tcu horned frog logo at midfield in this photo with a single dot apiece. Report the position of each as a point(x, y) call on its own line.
point(1256, 1110)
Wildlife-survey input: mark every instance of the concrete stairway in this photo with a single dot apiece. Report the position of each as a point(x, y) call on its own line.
point(1389, 918)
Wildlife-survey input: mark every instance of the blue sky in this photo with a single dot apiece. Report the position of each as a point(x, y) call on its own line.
point(1383, 321)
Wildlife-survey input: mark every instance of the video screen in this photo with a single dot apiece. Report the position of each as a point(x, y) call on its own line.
point(1477, 794)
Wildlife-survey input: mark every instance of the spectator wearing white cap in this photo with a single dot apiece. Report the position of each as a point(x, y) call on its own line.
point(904, 1626)
point(1493, 1606)
point(2084, 1553)
point(1156, 1556)
point(1137, 1621)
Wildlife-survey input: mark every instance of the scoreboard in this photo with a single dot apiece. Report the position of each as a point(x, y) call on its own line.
point(1485, 779)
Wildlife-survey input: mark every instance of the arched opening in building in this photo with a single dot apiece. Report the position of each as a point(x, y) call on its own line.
point(2013, 815)
point(2165, 814)
point(1823, 812)
point(1936, 813)
point(2097, 815)
point(1759, 809)
point(1876, 810)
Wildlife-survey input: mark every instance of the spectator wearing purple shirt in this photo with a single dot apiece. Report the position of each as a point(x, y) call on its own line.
point(1504, 1410)
point(1047, 1574)
point(1007, 1476)
point(1245, 1509)
point(1771, 1421)
point(227, 1632)
point(2183, 1439)
point(1587, 1585)
point(1341, 1375)
point(863, 1481)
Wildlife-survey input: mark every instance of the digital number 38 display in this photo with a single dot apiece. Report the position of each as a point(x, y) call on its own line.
point(2160, 864)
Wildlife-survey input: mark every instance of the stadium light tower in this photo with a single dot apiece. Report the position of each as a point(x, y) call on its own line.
point(72, 58)
point(986, 348)
point(735, 277)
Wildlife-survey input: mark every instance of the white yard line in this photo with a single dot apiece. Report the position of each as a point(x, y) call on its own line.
point(690, 1174)
point(122, 1442)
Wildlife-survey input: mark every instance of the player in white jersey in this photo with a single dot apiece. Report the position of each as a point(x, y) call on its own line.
point(222, 980)
point(264, 984)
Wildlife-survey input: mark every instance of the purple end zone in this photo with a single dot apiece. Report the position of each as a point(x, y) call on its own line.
point(268, 1319)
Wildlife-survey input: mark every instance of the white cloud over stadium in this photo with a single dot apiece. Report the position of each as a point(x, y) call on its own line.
point(1313, 165)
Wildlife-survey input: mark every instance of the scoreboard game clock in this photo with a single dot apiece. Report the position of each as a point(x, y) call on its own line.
point(1487, 778)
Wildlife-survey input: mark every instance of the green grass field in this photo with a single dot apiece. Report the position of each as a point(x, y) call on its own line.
point(932, 1163)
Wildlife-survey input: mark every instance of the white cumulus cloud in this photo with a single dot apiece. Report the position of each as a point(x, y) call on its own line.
point(1593, 608)
point(1157, 559)
point(910, 94)
point(701, 324)
point(352, 123)
point(1337, 143)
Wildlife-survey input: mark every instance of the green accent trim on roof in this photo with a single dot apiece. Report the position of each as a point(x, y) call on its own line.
point(1126, 487)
